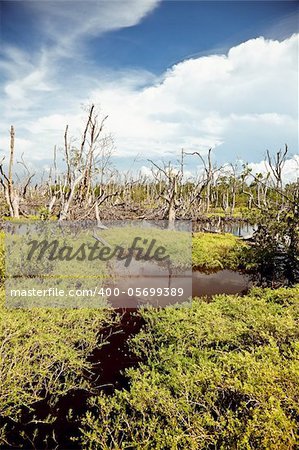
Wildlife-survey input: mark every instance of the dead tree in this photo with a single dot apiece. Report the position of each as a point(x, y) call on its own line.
point(172, 178)
point(209, 171)
point(14, 193)
point(85, 167)
point(276, 165)
point(265, 183)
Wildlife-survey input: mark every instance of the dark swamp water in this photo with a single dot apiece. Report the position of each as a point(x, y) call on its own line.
point(235, 227)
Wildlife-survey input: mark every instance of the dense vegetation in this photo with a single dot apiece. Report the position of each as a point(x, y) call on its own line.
point(222, 374)
point(43, 356)
point(274, 256)
point(218, 374)
point(216, 251)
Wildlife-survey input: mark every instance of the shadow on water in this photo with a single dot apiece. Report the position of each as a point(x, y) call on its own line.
point(221, 282)
point(201, 284)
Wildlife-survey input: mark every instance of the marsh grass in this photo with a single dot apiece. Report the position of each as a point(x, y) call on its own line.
point(211, 252)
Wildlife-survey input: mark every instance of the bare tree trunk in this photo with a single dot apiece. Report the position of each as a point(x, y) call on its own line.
point(66, 206)
point(11, 195)
point(171, 214)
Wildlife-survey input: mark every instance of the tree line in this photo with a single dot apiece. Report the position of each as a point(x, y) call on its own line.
point(85, 185)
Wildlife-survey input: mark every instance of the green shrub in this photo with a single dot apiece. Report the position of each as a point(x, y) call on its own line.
point(218, 375)
point(274, 255)
point(43, 354)
point(216, 251)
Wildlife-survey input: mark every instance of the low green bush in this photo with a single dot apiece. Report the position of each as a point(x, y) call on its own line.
point(43, 354)
point(222, 374)
point(216, 251)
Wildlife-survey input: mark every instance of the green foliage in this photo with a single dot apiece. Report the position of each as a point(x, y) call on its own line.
point(43, 354)
point(223, 374)
point(274, 255)
point(23, 273)
point(216, 251)
point(239, 212)
point(44, 214)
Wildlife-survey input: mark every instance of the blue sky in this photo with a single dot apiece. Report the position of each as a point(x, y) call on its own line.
point(189, 74)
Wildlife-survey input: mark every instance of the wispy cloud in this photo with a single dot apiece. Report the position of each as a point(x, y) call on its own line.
point(67, 22)
point(44, 81)
point(64, 28)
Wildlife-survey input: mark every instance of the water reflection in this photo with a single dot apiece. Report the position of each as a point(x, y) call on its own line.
point(240, 229)
point(221, 282)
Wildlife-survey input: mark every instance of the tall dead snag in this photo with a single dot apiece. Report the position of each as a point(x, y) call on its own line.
point(207, 179)
point(276, 165)
point(267, 184)
point(85, 166)
point(13, 194)
point(170, 180)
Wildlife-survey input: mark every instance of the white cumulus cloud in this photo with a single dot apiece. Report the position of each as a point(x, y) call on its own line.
point(240, 103)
